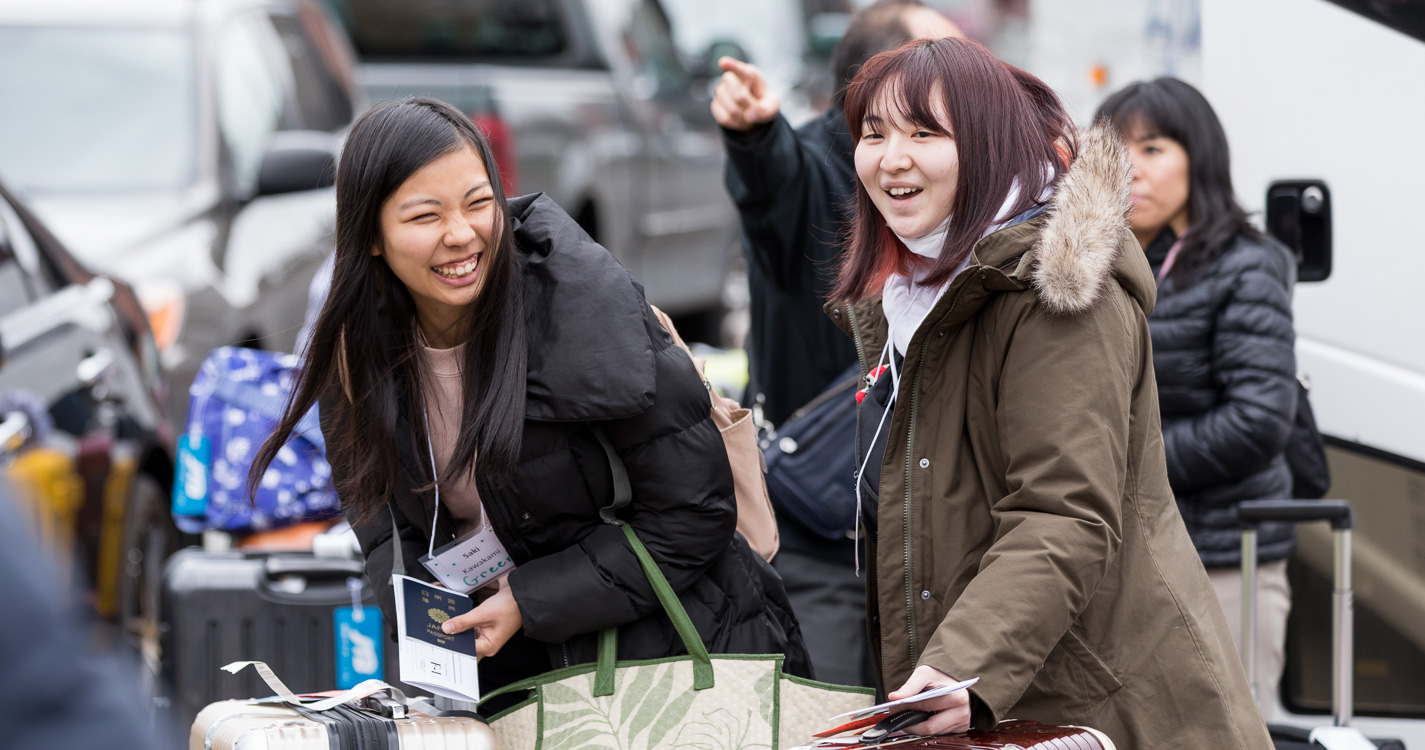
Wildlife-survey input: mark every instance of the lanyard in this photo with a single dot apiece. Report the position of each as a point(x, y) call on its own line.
point(430, 450)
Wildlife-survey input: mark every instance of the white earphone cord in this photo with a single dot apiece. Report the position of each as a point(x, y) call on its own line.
point(886, 353)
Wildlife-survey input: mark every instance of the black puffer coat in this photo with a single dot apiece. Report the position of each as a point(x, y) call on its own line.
point(597, 357)
point(1224, 353)
point(794, 191)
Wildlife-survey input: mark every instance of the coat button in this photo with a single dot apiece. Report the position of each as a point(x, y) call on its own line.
point(836, 313)
point(525, 516)
point(787, 445)
point(925, 463)
point(925, 595)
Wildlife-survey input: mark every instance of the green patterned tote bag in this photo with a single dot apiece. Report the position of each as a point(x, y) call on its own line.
point(692, 702)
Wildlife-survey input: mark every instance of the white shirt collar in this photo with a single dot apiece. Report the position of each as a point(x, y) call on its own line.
point(905, 300)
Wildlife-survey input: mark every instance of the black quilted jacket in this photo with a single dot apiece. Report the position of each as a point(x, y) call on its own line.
point(598, 358)
point(1223, 350)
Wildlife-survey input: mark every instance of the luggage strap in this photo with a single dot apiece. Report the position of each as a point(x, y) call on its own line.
point(351, 729)
point(362, 690)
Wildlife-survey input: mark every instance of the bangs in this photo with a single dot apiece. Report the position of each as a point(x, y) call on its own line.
point(920, 101)
point(902, 87)
point(1140, 112)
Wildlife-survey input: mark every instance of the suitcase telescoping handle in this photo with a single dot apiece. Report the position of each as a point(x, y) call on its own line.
point(1338, 513)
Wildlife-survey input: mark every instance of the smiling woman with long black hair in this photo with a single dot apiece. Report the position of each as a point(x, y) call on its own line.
point(472, 359)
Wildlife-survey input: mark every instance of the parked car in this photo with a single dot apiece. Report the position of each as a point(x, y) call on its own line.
point(600, 110)
point(185, 147)
point(82, 430)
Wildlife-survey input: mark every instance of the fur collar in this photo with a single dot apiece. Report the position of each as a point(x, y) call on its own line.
point(1079, 244)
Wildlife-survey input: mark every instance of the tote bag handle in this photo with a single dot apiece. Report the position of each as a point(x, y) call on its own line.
point(604, 681)
point(608, 638)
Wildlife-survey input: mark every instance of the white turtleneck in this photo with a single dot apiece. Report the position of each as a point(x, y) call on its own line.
point(905, 300)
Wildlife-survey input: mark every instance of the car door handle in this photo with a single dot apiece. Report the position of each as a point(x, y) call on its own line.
point(95, 368)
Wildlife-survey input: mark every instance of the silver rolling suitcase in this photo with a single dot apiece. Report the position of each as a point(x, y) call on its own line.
point(370, 716)
point(1338, 514)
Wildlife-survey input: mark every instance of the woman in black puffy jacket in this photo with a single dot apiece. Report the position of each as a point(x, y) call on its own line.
point(1223, 344)
point(475, 359)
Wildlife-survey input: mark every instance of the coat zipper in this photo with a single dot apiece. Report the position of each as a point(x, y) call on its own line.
point(909, 452)
point(856, 336)
point(564, 648)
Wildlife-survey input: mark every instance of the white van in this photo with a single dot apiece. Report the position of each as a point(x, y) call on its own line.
point(1335, 92)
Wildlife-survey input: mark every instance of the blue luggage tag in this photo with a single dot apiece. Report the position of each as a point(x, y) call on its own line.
point(190, 486)
point(358, 641)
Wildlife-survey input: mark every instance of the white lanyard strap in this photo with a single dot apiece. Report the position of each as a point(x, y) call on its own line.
point(430, 450)
point(886, 353)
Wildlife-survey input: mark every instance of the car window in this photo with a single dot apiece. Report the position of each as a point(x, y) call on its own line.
point(439, 28)
point(250, 92)
point(322, 100)
point(17, 286)
point(97, 109)
point(20, 244)
point(649, 43)
point(772, 34)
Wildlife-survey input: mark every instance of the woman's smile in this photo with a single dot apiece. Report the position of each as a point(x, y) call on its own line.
point(460, 272)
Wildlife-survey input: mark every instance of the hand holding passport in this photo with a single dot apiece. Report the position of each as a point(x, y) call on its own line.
point(430, 658)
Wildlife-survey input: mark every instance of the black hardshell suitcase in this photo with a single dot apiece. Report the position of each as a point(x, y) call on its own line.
point(1338, 514)
point(279, 608)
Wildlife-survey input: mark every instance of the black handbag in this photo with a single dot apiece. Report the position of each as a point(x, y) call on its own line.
point(811, 460)
point(1306, 452)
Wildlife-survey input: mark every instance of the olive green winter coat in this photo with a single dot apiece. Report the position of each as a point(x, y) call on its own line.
point(1026, 531)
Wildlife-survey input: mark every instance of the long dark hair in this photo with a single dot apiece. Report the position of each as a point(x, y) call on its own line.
point(364, 343)
point(1007, 125)
point(1173, 109)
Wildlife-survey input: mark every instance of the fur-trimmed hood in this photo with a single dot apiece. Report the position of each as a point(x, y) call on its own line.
point(1081, 241)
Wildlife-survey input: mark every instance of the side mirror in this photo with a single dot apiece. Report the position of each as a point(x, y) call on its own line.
point(706, 68)
point(298, 160)
point(1299, 216)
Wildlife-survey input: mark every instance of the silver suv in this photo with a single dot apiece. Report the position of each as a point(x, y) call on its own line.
point(184, 147)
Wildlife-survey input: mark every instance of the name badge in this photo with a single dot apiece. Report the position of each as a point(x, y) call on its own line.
point(470, 562)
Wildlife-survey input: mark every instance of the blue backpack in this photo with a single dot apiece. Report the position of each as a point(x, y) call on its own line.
point(235, 402)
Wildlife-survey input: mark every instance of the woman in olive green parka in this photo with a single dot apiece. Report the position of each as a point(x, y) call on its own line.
point(1020, 524)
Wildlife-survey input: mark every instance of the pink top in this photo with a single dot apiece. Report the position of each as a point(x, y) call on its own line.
point(444, 401)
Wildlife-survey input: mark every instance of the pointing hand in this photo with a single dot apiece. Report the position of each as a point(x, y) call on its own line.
point(742, 98)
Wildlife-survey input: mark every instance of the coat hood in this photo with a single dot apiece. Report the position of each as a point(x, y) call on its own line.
point(590, 353)
point(1082, 243)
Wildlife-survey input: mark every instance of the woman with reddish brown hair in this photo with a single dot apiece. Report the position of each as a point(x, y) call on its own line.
point(1011, 472)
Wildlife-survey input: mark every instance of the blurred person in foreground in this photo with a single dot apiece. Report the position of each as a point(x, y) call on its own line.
point(57, 693)
point(1223, 346)
point(793, 190)
point(1022, 530)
